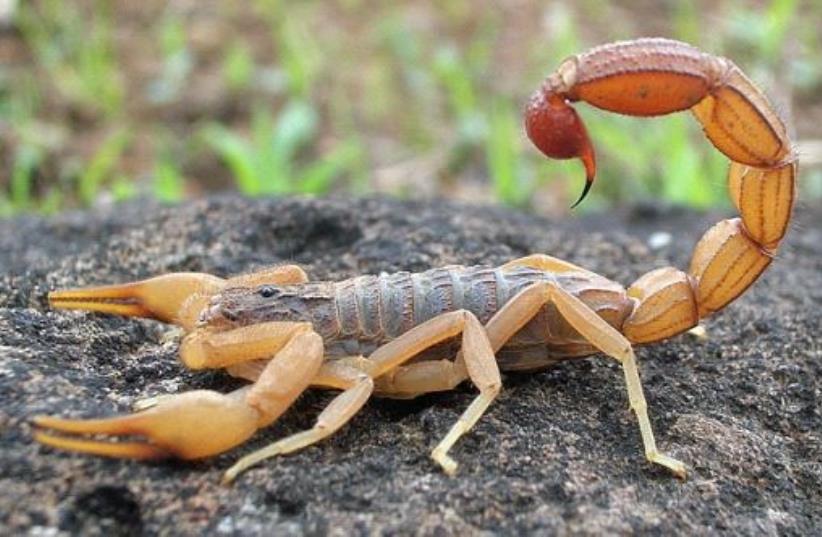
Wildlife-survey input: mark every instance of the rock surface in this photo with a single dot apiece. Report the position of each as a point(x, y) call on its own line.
point(559, 452)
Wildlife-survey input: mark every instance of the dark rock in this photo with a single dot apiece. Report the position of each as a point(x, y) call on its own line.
point(559, 452)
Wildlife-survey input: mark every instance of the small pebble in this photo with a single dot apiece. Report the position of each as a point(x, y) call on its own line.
point(659, 240)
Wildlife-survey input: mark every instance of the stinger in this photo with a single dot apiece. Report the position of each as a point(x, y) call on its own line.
point(557, 130)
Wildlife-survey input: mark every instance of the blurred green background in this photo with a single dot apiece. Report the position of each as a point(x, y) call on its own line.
point(103, 100)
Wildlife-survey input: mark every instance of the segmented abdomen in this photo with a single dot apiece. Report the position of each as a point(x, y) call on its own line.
point(380, 308)
point(371, 310)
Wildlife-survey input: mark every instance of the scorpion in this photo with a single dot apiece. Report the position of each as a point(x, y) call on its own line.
point(406, 334)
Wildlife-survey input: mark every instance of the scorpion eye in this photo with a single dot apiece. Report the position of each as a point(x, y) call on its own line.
point(267, 291)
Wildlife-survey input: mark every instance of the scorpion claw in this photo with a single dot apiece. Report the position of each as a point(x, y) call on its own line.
point(169, 298)
point(192, 425)
point(120, 450)
point(115, 299)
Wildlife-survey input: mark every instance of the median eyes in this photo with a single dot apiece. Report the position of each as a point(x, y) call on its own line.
point(267, 291)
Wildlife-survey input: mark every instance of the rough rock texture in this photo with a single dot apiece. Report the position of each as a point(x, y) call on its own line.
point(559, 451)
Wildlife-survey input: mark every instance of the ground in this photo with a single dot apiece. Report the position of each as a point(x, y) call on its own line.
point(558, 452)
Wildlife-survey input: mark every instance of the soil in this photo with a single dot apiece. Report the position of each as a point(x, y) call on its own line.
point(558, 452)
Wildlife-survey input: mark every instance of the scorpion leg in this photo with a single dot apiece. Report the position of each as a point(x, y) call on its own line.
point(326, 378)
point(205, 348)
point(199, 423)
point(357, 387)
point(479, 362)
point(406, 382)
point(519, 310)
point(544, 262)
point(250, 370)
point(242, 351)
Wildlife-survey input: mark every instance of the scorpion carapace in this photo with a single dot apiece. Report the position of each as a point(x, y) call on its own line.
point(401, 335)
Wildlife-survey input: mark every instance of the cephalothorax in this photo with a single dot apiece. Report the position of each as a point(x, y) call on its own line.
point(401, 335)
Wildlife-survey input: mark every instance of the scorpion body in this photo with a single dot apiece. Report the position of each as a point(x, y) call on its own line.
point(402, 335)
point(357, 316)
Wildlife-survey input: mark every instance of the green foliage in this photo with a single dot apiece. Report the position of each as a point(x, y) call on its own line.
point(454, 74)
point(169, 183)
point(238, 66)
point(122, 189)
point(298, 54)
point(314, 96)
point(22, 176)
point(763, 32)
point(667, 158)
point(76, 48)
point(268, 163)
point(102, 166)
point(813, 183)
point(503, 155)
point(177, 61)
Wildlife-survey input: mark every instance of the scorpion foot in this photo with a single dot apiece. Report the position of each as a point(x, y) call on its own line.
point(673, 465)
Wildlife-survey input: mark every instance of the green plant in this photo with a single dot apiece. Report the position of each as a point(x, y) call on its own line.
point(364, 86)
point(268, 162)
point(177, 64)
point(762, 33)
point(22, 196)
point(503, 157)
point(25, 165)
point(76, 48)
point(667, 158)
point(238, 66)
point(169, 183)
point(297, 52)
point(102, 167)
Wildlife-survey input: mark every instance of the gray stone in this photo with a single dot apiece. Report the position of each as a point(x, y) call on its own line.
point(559, 452)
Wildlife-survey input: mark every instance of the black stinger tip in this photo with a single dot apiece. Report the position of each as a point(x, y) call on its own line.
point(588, 182)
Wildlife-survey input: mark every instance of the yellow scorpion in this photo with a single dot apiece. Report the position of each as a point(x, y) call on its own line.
point(402, 335)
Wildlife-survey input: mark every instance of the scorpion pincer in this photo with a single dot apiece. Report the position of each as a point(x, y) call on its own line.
point(401, 335)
